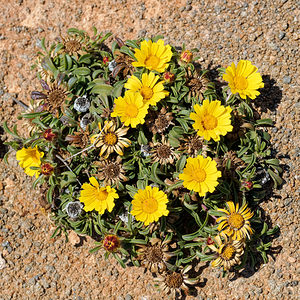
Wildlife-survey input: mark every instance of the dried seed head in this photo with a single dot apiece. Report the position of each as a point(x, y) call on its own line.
point(82, 104)
point(197, 84)
point(111, 171)
point(193, 145)
point(163, 152)
point(174, 280)
point(74, 209)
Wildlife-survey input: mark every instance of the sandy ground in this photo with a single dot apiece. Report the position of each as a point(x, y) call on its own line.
point(34, 266)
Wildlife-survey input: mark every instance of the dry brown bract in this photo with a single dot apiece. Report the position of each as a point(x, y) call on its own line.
point(111, 171)
point(159, 122)
point(197, 84)
point(239, 126)
point(163, 152)
point(192, 146)
point(154, 255)
point(79, 139)
point(124, 62)
point(228, 168)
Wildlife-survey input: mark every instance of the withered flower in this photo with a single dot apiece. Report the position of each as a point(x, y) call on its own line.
point(172, 282)
point(110, 171)
point(229, 163)
point(163, 152)
point(73, 44)
point(32, 108)
point(79, 139)
point(158, 122)
point(193, 145)
point(197, 83)
point(155, 254)
point(54, 96)
point(123, 63)
point(229, 252)
point(239, 126)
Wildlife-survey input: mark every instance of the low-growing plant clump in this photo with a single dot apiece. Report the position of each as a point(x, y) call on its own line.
point(138, 148)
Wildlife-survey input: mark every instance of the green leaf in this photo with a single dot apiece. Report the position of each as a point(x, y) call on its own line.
point(276, 178)
point(262, 122)
point(82, 71)
point(142, 140)
point(85, 59)
point(103, 89)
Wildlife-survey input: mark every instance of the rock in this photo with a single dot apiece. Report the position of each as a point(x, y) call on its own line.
point(74, 238)
point(281, 35)
point(2, 262)
point(287, 79)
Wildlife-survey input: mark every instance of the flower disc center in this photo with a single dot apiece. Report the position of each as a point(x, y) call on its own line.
point(174, 280)
point(152, 61)
point(56, 96)
point(131, 110)
point(150, 205)
point(240, 82)
point(110, 138)
point(146, 92)
point(102, 195)
point(209, 122)
point(199, 175)
point(236, 221)
point(154, 254)
point(228, 252)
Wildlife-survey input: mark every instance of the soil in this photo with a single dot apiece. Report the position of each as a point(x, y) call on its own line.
point(34, 266)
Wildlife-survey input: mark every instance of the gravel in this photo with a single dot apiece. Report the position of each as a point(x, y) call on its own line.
point(224, 31)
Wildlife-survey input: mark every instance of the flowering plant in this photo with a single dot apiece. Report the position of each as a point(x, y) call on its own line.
point(139, 148)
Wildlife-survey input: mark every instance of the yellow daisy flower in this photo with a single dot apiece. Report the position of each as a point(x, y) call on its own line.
point(151, 91)
point(200, 175)
point(211, 120)
point(131, 109)
point(153, 56)
point(244, 79)
point(236, 221)
point(97, 198)
point(149, 205)
point(30, 157)
point(111, 140)
point(229, 252)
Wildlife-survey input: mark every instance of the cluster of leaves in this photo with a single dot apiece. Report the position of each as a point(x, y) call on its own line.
point(99, 73)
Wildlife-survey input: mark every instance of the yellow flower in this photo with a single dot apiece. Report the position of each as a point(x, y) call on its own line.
point(236, 221)
point(243, 79)
point(151, 91)
point(30, 157)
point(229, 252)
point(153, 56)
point(211, 120)
point(98, 198)
point(149, 205)
point(131, 109)
point(110, 139)
point(200, 175)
